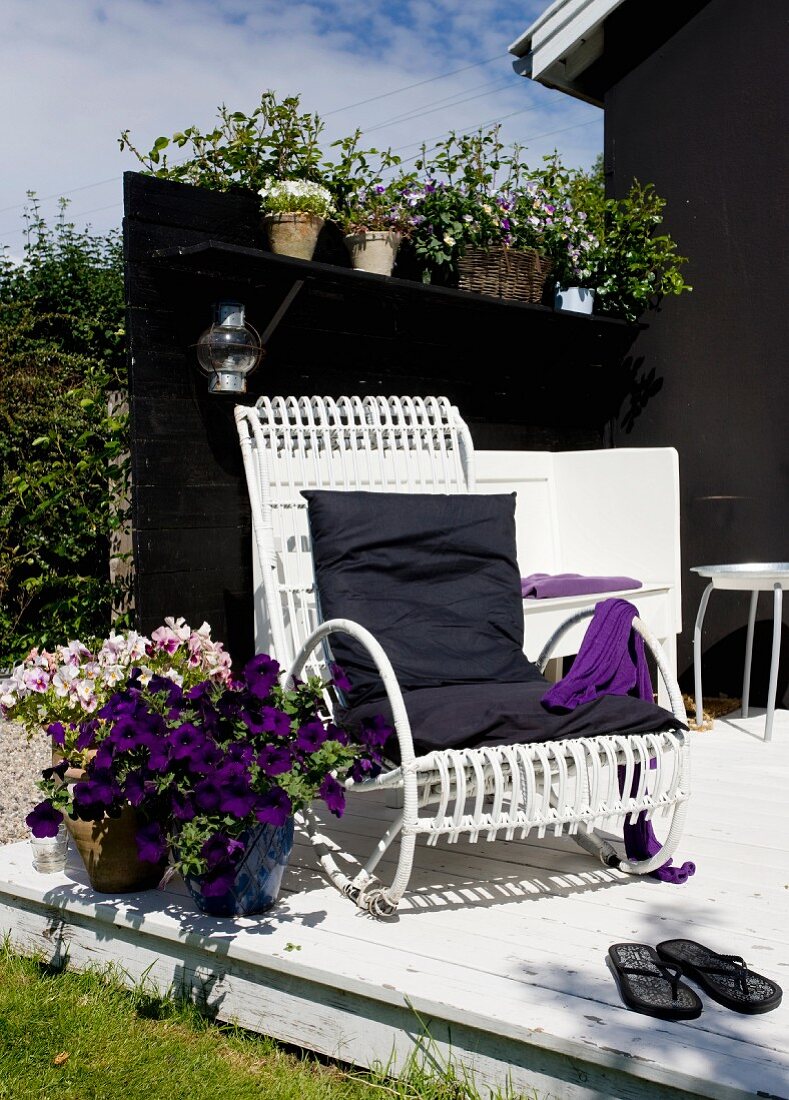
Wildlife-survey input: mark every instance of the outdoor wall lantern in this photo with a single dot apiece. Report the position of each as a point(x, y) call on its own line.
point(229, 350)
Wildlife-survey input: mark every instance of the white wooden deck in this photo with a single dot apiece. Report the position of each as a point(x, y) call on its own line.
point(499, 953)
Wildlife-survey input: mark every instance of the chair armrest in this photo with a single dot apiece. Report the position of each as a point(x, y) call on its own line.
point(387, 674)
point(650, 641)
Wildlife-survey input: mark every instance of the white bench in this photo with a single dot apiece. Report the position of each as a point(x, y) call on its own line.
point(610, 512)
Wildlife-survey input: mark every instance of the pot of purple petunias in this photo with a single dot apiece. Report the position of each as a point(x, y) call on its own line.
point(215, 774)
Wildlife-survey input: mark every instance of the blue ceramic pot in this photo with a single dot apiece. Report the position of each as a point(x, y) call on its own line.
point(258, 875)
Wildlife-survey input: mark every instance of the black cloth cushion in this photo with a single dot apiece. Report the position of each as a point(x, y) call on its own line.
point(474, 715)
point(433, 577)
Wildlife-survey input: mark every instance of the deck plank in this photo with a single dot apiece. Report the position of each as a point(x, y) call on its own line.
point(501, 947)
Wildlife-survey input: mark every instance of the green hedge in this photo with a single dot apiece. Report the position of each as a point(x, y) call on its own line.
point(62, 350)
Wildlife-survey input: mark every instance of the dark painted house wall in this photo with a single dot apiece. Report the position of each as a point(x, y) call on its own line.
point(703, 112)
point(522, 375)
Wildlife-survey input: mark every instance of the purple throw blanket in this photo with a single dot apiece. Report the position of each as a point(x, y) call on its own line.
point(611, 661)
point(545, 586)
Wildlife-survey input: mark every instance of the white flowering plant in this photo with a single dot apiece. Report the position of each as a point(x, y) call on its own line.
point(296, 197)
point(68, 685)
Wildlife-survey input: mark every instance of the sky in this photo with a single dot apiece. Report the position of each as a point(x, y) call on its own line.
point(75, 73)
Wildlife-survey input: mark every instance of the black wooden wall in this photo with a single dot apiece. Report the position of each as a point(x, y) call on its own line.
point(703, 112)
point(522, 375)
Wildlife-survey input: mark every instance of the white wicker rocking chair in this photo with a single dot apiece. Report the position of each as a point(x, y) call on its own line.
point(573, 786)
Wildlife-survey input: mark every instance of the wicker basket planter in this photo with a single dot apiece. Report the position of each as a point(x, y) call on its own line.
point(505, 272)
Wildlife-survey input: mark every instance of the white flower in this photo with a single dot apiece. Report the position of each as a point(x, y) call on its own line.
point(449, 240)
point(179, 627)
point(63, 680)
point(145, 676)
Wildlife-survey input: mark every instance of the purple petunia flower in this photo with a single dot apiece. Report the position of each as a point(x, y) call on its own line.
point(159, 756)
point(214, 884)
point(237, 797)
point(311, 735)
point(261, 673)
point(222, 849)
point(274, 759)
point(127, 735)
point(203, 758)
point(334, 733)
point(339, 678)
point(182, 807)
point(57, 732)
point(87, 735)
point(274, 807)
point(239, 752)
point(151, 843)
point(363, 768)
point(333, 795)
point(44, 820)
point(137, 787)
point(185, 740)
point(207, 796)
point(375, 732)
point(275, 721)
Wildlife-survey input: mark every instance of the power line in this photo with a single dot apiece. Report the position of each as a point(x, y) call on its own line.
point(443, 105)
point(418, 84)
point(60, 194)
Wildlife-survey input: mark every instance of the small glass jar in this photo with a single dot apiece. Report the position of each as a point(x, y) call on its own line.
point(49, 852)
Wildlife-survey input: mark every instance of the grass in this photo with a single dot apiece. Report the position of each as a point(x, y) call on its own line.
point(80, 1035)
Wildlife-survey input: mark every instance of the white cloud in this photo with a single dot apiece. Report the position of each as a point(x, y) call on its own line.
point(76, 73)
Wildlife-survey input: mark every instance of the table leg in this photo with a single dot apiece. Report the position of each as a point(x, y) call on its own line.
point(697, 653)
point(746, 675)
point(777, 611)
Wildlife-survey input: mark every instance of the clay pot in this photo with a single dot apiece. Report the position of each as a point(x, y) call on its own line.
point(109, 851)
point(373, 251)
point(293, 234)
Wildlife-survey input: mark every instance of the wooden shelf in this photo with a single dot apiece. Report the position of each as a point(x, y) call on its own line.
point(215, 258)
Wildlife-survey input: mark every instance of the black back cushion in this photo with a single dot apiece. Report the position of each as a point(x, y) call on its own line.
point(434, 578)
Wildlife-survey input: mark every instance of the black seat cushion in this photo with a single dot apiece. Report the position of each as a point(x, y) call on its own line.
point(474, 715)
point(433, 577)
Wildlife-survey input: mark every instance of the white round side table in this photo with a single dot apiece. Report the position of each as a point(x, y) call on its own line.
point(753, 577)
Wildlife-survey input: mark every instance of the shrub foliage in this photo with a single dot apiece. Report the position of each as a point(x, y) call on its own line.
point(62, 460)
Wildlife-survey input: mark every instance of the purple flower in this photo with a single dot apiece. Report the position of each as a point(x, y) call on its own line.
point(311, 735)
point(239, 752)
point(159, 756)
point(261, 673)
point(207, 796)
point(127, 735)
point(204, 758)
point(151, 843)
point(333, 795)
point(339, 679)
point(44, 820)
point(274, 759)
point(57, 732)
point(274, 807)
point(363, 768)
point(185, 740)
point(95, 796)
point(237, 797)
point(214, 884)
point(59, 770)
point(87, 735)
point(182, 807)
point(222, 849)
point(334, 733)
point(275, 721)
point(137, 787)
point(375, 732)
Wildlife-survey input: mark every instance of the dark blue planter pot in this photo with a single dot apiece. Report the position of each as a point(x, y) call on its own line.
point(258, 876)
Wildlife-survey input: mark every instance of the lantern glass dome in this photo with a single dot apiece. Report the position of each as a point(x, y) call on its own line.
point(229, 350)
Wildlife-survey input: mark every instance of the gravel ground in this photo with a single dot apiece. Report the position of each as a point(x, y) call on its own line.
point(21, 762)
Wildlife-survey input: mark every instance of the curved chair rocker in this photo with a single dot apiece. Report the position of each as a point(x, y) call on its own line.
point(411, 445)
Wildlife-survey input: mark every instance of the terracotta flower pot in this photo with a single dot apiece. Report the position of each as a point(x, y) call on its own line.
point(373, 251)
point(109, 851)
point(293, 234)
point(108, 848)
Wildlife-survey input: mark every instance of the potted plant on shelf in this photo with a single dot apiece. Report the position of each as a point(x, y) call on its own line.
point(294, 212)
point(65, 692)
point(467, 226)
point(374, 213)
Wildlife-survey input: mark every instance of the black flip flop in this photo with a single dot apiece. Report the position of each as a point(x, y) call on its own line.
point(725, 978)
point(649, 985)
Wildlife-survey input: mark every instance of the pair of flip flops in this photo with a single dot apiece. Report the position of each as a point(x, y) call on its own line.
point(649, 980)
